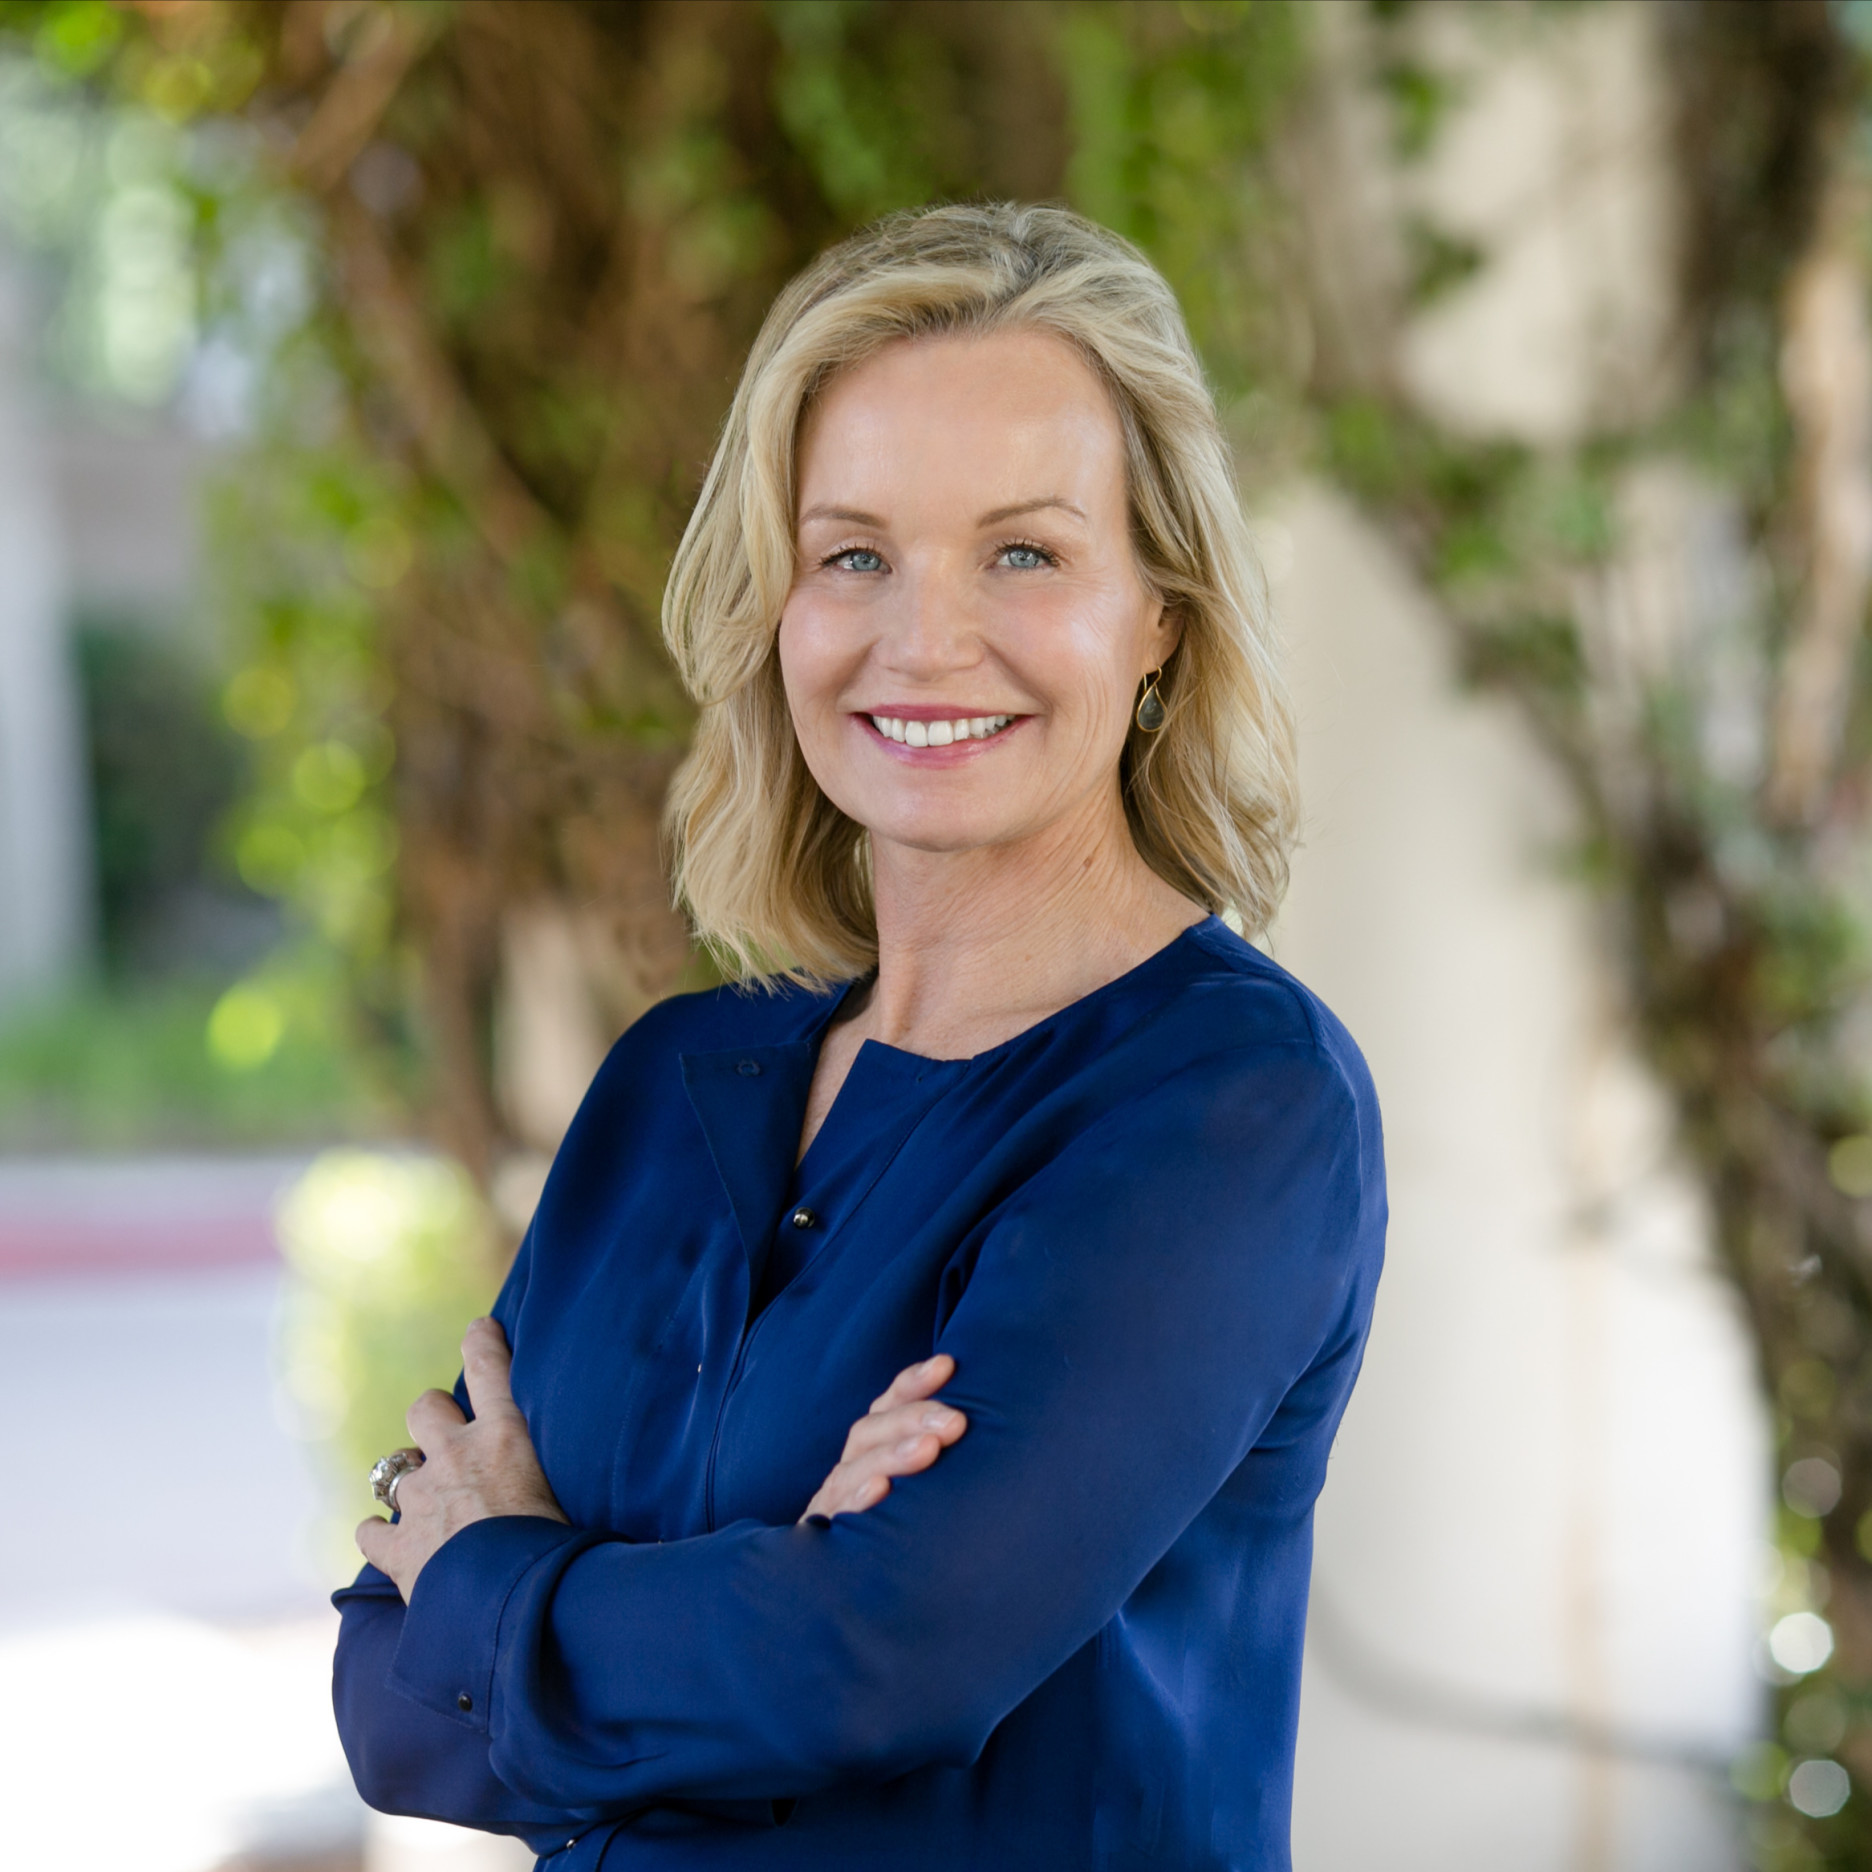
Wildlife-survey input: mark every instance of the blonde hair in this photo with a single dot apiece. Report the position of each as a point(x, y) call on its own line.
point(777, 878)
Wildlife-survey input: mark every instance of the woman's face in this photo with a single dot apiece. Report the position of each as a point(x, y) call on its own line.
point(967, 627)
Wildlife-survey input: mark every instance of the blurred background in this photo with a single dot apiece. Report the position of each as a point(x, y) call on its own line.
point(359, 360)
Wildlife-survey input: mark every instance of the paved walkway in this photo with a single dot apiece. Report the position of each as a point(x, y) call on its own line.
point(164, 1641)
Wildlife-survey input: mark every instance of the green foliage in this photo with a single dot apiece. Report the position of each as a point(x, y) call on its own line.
point(1420, 98)
point(1438, 262)
point(305, 556)
point(871, 98)
point(391, 1257)
point(1166, 110)
point(73, 37)
point(1172, 112)
point(164, 770)
point(137, 1068)
point(1388, 456)
point(1537, 652)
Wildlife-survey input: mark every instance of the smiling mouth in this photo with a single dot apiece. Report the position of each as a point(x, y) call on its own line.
point(940, 733)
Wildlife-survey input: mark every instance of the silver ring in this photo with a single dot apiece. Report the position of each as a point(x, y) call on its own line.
point(388, 1471)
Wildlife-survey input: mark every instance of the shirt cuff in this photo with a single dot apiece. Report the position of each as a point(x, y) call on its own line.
point(450, 1642)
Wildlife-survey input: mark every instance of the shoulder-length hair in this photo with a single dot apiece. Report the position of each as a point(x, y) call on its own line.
point(777, 878)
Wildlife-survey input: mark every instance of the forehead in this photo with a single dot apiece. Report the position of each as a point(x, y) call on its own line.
point(972, 416)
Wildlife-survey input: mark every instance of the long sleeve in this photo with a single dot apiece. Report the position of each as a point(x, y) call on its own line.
point(408, 1759)
point(411, 1760)
point(1154, 1316)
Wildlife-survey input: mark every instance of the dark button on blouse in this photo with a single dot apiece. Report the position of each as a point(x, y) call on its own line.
point(885, 1096)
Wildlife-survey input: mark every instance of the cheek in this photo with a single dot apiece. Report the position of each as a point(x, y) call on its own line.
point(1079, 653)
point(810, 663)
point(816, 660)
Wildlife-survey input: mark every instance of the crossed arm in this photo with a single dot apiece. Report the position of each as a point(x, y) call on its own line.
point(477, 1468)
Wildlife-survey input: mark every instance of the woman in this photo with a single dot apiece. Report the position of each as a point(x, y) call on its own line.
point(989, 738)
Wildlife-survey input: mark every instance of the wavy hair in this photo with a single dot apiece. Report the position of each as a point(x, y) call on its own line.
point(775, 877)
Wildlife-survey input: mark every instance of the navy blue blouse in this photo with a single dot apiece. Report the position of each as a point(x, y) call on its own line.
point(1148, 1230)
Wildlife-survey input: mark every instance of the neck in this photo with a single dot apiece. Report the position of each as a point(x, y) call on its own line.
point(974, 946)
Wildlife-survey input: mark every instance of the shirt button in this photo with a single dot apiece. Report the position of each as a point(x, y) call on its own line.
point(749, 1069)
point(464, 1701)
point(803, 1218)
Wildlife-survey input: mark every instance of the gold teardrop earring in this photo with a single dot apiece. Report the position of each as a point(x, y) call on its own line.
point(1151, 713)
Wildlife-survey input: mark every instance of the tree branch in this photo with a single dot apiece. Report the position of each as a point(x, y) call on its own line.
point(1826, 376)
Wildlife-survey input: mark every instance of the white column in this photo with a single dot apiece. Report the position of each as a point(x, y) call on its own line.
point(1545, 1516)
point(45, 866)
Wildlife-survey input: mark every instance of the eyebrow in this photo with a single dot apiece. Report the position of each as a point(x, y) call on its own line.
point(854, 516)
point(1030, 506)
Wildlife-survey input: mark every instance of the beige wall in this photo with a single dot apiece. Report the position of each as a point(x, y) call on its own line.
point(1548, 1502)
point(1546, 1518)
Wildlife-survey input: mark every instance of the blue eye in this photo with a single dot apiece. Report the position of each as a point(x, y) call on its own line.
point(857, 559)
point(1026, 558)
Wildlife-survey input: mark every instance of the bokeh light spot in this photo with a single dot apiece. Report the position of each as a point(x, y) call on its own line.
point(1801, 1642)
point(259, 702)
point(269, 858)
point(1811, 1487)
point(1849, 1164)
point(1819, 1788)
point(328, 777)
point(245, 1028)
point(378, 553)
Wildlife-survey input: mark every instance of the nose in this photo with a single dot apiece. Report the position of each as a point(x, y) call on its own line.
point(929, 632)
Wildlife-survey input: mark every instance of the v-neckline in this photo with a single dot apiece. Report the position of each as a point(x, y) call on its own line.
point(919, 1065)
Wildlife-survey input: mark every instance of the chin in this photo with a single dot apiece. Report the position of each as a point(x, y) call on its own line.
point(939, 832)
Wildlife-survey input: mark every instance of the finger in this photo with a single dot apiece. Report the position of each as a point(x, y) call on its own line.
point(917, 1381)
point(881, 1428)
point(373, 1538)
point(851, 1489)
point(904, 1457)
point(856, 1480)
point(867, 1493)
point(432, 1417)
point(841, 1494)
point(488, 1366)
point(412, 1488)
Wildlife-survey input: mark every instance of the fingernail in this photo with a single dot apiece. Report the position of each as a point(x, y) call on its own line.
point(938, 1417)
point(909, 1446)
point(930, 1364)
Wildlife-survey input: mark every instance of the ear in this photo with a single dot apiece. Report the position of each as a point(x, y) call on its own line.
point(1165, 633)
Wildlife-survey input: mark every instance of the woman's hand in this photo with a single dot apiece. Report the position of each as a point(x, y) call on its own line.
point(471, 1470)
point(902, 1433)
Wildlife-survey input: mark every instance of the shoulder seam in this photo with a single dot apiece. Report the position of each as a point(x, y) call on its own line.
point(1269, 972)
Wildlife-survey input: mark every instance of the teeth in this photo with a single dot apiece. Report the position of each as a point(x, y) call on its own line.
point(940, 733)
